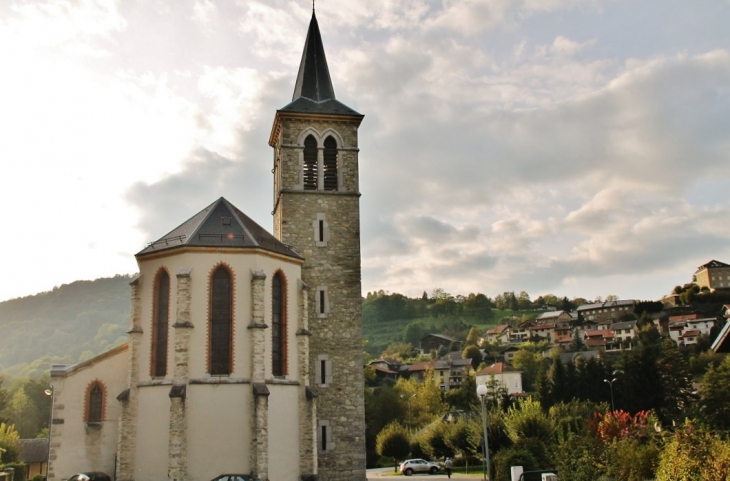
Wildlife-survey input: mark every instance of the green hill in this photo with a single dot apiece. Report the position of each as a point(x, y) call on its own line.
point(76, 321)
point(70, 323)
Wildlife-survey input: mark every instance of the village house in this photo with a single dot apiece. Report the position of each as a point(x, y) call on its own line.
point(509, 377)
point(713, 275)
point(498, 335)
point(608, 310)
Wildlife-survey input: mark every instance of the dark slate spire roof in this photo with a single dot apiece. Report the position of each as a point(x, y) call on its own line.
point(220, 224)
point(313, 91)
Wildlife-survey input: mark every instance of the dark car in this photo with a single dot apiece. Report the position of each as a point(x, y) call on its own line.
point(234, 477)
point(90, 476)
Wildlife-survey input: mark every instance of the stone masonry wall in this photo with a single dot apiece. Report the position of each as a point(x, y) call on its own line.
point(335, 266)
point(128, 418)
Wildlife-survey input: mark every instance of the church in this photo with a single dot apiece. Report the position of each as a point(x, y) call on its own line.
point(244, 353)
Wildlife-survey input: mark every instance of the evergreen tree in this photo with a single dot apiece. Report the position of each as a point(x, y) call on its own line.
point(714, 402)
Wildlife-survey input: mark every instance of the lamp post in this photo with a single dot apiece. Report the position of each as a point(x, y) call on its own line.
point(49, 392)
point(408, 399)
point(610, 385)
point(482, 393)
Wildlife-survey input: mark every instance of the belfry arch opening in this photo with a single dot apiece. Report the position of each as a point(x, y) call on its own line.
point(330, 164)
point(310, 163)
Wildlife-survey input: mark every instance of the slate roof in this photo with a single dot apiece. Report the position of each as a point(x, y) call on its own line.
point(221, 224)
point(712, 264)
point(603, 305)
point(550, 315)
point(34, 450)
point(313, 91)
point(623, 325)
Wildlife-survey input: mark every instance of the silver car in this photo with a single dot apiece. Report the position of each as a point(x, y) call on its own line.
point(411, 466)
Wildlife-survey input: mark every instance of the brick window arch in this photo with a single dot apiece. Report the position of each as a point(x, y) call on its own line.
point(160, 321)
point(95, 402)
point(310, 163)
point(278, 325)
point(330, 163)
point(221, 322)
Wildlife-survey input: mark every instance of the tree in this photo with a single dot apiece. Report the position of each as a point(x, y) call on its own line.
point(464, 436)
point(472, 339)
point(693, 455)
point(577, 344)
point(713, 404)
point(413, 333)
point(433, 440)
point(527, 420)
point(9, 446)
point(523, 301)
point(530, 363)
point(676, 382)
point(393, 442)
point(472, 352)
point(463, 398)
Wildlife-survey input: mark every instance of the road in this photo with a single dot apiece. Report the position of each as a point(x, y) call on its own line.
point(387, 474)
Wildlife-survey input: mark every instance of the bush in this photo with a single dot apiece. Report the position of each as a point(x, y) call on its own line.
point(507, 458)
point(39, 477)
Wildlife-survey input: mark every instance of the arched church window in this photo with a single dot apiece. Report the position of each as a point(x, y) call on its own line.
point(278, 325)
point(159, 324)
point(330, 163)
point(221, 321)
point(95, 403)
point(310, 163)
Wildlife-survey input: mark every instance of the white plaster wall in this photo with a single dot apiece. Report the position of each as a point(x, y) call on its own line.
point(219, 427)
point(152, 433)
point(283, 432)
point(512, 381)
point(76, 447)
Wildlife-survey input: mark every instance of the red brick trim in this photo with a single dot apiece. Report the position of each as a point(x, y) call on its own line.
point(87, 399)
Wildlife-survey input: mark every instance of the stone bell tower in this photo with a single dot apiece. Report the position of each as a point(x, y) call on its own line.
point(317, 213)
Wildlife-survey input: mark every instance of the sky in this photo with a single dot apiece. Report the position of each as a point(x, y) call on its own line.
point(579, 148)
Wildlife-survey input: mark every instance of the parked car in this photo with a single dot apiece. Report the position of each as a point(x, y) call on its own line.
point(411, 466)
point(233, 477)
point(90, 476)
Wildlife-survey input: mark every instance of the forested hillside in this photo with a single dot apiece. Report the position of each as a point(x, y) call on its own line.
point(72, 322)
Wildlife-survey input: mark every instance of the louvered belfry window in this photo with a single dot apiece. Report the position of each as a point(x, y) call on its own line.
point(95, 403)
point(310, 163)
point(161, 317)
point(330, 163)
point(221, 322)
point(278, 327)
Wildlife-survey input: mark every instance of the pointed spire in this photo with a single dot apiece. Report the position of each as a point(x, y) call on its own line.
point(313, 80)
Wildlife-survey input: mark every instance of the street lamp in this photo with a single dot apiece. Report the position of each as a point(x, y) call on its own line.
point(403, 396)
point(52, 393)
point(482, 393)
point(610, 385)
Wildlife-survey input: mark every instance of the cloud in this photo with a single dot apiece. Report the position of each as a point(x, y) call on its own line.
point(586, 187)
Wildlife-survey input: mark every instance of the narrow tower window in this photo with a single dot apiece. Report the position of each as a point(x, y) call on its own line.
point(221, 322)
point(321, 230)
point(159, 324)
point(330, 164)
point(323, 370)
point(324, 436)
point(322, 302)
point(310, 163)
point(278, 326)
